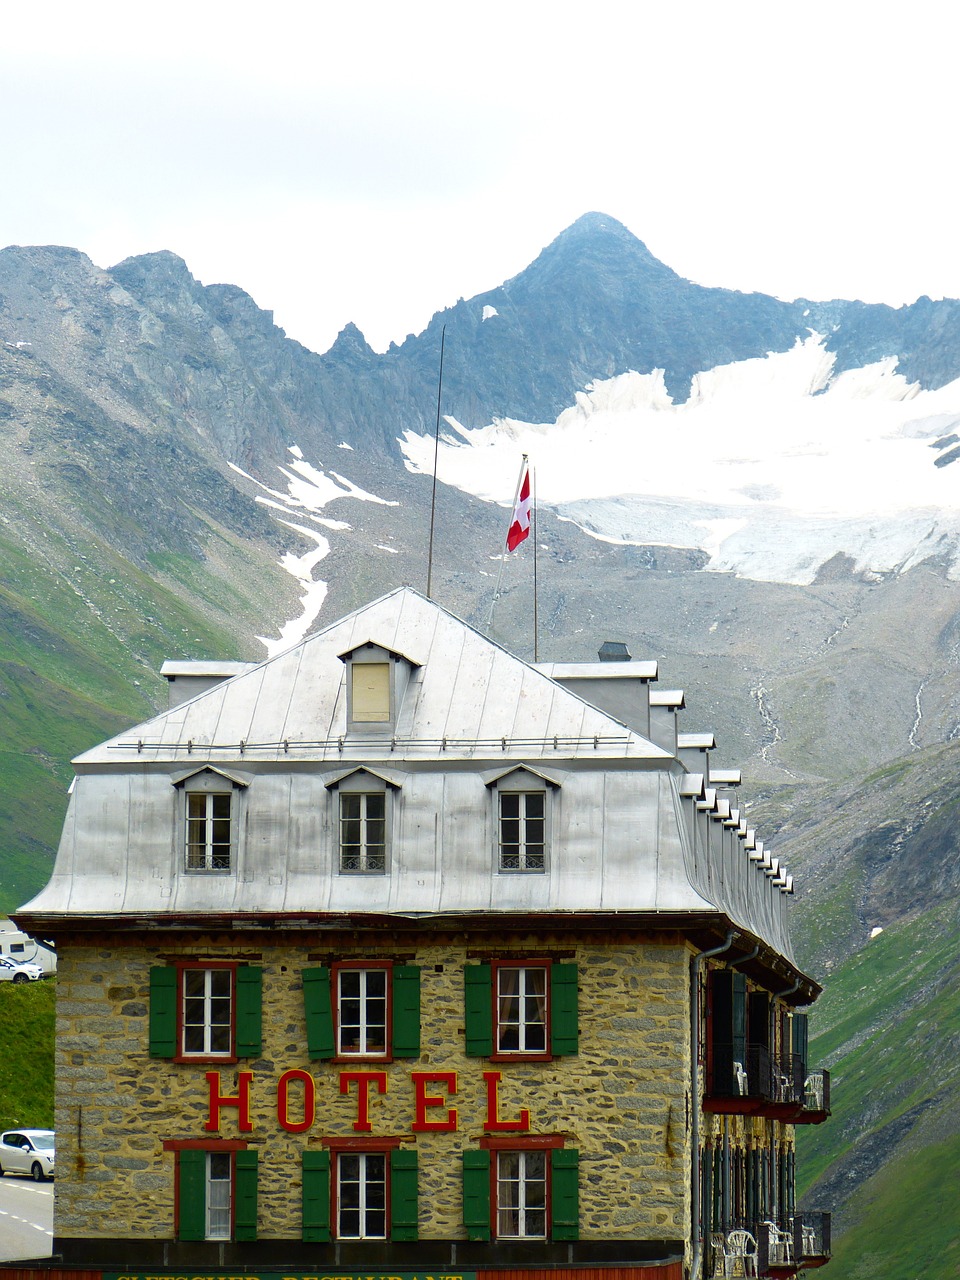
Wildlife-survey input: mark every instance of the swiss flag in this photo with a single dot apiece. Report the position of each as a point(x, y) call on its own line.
point(520, 526)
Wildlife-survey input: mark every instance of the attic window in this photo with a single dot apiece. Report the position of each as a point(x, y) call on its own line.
point(209, 812)
point(370, 692)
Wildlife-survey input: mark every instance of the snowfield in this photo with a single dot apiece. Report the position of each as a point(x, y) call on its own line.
point(771, 467)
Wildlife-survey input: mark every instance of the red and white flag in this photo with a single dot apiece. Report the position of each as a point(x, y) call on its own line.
point(520, 525)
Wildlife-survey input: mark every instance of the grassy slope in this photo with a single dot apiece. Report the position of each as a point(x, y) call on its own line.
point(80, 654)
point(888, 1026)
point(26, 1064)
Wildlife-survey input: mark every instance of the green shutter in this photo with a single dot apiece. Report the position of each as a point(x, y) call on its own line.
point(163, 1013)
point(406, 1011)
point(245, 1196)
point(319, 1013)
point(565, 1194)
point(476, 1194)
point(564, 1032)
point(800, 1039)
point(192, 1194)
point(404, 1213)
point(249, 1006)
point(316, 1196)
point(478, 1011)
point(739, 1021)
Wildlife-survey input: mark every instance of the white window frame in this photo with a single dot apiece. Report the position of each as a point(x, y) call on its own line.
point(526, 997)
point(211, 849)
point(209, 782)
point(523, 782)
point(370, 855)
point(207, 996)
point(531, 855)
point(364, 1183)
point(368, 1001)
point(524, 1183)
point(218, 1192)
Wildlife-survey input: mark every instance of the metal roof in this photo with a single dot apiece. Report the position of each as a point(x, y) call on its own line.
point(624, 834)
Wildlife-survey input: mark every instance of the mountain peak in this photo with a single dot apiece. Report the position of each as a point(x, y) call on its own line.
point(351, 343)
point(601, 229)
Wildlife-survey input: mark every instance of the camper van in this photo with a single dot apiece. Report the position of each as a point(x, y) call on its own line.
point(19, 946)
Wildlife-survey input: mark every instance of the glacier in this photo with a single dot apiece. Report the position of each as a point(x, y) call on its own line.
point(771, 467)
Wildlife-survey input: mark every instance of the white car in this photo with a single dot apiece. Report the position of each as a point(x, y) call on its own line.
point(28, 1151)
point(17, 971)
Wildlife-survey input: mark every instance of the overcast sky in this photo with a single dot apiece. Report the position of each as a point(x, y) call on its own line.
point(375, 161)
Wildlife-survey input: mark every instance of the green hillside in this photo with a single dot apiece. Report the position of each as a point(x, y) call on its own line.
point(888, 1028)
point(26, 1064)
point(80, 655)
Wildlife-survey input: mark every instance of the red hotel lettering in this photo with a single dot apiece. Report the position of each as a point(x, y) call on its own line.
point(364, 1079)
point(309, 1101)
point(493, 1120)
point(218, 1100)
point(424, 1100)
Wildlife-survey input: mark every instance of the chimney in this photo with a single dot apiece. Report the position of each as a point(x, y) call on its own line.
point(615, 683)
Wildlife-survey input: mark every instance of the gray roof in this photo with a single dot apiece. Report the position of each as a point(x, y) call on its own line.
point(621, 837)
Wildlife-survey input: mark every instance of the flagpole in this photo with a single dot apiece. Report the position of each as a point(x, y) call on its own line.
point(436, 453)
point(503, 553)
point(533, 530)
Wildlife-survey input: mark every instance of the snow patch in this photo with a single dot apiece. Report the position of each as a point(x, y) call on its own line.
point(489, 312)
point(308, 491)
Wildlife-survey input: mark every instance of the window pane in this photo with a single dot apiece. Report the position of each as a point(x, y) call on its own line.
point(363, 831)
point(521, 1194)
point(361, 1196)
point(522, 1010)
point(218, 1189)
point(208, 831)
point(207, 1011)
point(362, 1011)
point(522, 830)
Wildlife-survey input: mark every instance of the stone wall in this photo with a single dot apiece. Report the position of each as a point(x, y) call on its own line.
point(621, 1101)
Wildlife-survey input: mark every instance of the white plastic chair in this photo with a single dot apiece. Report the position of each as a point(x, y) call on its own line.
point(740, 1254)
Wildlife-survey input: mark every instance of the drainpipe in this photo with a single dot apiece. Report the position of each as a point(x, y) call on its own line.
point(696, 964)
point(735, 964)
point(779, 995)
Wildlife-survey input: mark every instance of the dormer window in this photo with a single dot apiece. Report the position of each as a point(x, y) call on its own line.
point(209, 817)
point(363, 820)
point(376, 680)
point(522, 817)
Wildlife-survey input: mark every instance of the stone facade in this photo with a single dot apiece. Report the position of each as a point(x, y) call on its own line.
point(622, 1100)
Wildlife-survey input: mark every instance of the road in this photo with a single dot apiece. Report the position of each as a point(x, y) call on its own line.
point(26, 1218)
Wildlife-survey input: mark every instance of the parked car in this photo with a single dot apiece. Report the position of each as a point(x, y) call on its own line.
point(15, 971)
point(28, 1151)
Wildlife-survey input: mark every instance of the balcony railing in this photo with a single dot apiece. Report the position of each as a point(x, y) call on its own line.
point(815, 1107)
point(754, 1082)
point(811, 1238)
point(771, 1250)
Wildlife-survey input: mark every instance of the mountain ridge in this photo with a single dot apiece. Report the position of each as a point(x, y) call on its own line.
point(181, 478)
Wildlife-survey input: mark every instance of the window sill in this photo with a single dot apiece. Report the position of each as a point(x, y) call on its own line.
point(206, 1059)
point(523, 1057)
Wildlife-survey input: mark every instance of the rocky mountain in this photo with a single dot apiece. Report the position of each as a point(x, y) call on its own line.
point(181, 480)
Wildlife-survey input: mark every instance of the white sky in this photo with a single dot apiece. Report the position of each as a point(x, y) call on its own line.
point(374, 162)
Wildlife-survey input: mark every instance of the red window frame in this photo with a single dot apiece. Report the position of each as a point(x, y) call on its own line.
point(358, 1146)
point(222, 1058)
point(353, 966)
point(532, 1142)
point(520, 1055)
